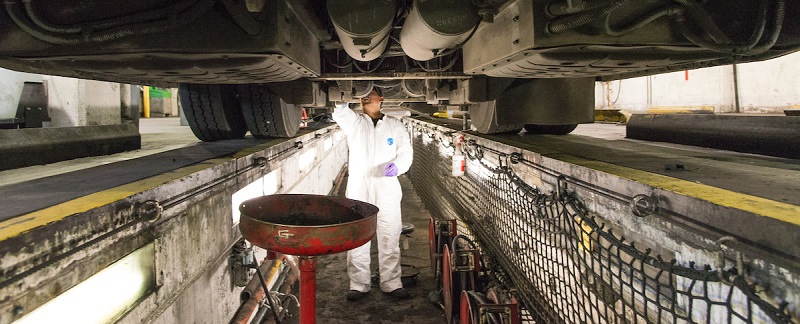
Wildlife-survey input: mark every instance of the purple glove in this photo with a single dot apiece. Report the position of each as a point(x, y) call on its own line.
point(391, 170)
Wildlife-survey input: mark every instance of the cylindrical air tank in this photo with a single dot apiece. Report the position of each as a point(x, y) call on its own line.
point(432, 26)
point(363, 26)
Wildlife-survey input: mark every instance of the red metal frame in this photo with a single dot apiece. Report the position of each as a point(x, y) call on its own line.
point(437, 238)
point(467, 316)
point(432, 245)
point(447, 284)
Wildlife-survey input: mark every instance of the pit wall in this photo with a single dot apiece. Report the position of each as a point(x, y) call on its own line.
point(763, 87)
point(559, 262)
point(208, 296)
point(189, 238)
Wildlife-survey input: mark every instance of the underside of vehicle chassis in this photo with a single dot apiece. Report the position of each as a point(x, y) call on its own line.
point(250, 65)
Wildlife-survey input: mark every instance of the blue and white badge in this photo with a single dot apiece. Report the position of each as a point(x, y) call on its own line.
point(390, 141)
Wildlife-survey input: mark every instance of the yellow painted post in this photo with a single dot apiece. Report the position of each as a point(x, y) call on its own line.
point(146, 101)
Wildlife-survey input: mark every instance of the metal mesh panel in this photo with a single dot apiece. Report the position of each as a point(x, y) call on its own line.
point(563, 262)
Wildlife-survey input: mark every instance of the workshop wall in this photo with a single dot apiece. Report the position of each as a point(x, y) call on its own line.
point(763, 87)
point(11, 83)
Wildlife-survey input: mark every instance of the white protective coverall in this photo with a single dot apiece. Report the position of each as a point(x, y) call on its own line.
point(372, 148)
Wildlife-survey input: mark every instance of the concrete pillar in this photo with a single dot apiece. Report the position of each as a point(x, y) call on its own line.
point(727, 90)
point(77, 102)
point(130, 99)
point(176, 111)
point(101, 102)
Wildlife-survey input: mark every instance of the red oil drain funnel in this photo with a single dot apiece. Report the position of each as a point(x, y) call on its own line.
point(307, 226)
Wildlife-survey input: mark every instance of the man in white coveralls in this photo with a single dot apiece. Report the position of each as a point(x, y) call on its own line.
point(380, 150)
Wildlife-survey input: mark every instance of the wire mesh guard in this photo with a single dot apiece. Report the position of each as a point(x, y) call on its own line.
point(562, 262)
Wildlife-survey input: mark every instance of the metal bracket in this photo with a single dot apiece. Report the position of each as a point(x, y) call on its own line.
point(561, 186)
point(721, 261)
point(149, 210)
point(260, 162)
point(643, 205)
point(740, 266)
point(507, 313)
point(447, 228)
point(464, 260)
point(241, 262)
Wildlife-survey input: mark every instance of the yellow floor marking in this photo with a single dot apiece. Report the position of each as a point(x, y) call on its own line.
point(681, 110)
point(760, 206)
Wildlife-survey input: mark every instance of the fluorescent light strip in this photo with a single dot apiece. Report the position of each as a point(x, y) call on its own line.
point(306, 159)
point(267, 185)
point(103, 297)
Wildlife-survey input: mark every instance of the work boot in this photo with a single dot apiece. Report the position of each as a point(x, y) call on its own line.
point(354, 295)
point(399, 293)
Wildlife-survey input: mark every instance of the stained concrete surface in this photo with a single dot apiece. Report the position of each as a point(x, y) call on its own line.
point(377, 307)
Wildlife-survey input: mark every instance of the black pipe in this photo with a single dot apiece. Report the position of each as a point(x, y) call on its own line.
point(641, 22)
point(582, 18)
point(23, 22)
point(703, 19)
point(268, 296)
point(720, 42)
point(260, 314)
point(736, 88)
point(254, 282)
point(780, 13)
point(107, 23)
point(561, 8)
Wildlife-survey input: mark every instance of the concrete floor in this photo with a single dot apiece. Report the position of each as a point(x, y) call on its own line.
point(333, 284)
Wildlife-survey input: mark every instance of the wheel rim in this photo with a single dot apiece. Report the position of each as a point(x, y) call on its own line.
point(483, 116)
point(466, 309)
point(492, 295)
point(447, 284)
point(432, 247)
